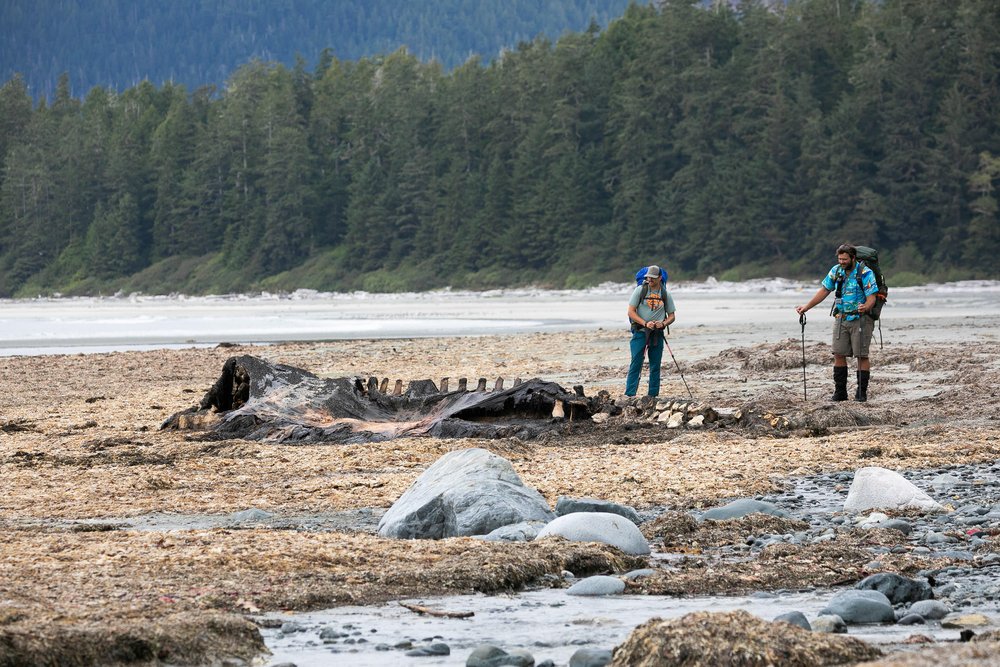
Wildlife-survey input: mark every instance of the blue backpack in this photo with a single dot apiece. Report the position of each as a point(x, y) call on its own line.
point(640, 276)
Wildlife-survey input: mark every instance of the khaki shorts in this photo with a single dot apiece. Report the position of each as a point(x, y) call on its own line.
point(852, 338)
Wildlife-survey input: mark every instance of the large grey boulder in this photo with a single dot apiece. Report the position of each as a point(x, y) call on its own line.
point(741, 508)
point(864, 606)
point(878, 488)
point(598, 527)
point(465, 492)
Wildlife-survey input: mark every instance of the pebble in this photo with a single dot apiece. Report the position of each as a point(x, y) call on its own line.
point(896, 524)
point(795, 618)
point(911, 619)
point(639, 574)
point(930, 609)
point(487, 655)
point(597, 585)
point(830, 623)
point(290, 627)
point(590, 657)
point(430, 650)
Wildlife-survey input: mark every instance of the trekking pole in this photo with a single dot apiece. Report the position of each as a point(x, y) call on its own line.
point(802, 321)
point(678, 367)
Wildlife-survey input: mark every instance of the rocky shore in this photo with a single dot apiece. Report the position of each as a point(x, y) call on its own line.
point(121, 542)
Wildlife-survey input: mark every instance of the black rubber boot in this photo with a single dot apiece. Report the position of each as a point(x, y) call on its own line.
point(839, 383)
point(861, 394)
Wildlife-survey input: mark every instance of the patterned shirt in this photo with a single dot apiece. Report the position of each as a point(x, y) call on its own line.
point(656, 306)
point(852, 295)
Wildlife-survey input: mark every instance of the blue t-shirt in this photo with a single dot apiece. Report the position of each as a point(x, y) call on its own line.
point(852, 295)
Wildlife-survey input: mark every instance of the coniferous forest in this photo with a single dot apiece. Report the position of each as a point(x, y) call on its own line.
point(734, 141)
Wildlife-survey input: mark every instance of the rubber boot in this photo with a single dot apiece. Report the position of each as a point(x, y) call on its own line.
point(861, 395)
point(839, 383)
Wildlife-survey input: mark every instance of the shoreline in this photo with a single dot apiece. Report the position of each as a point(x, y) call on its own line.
point(94, 325)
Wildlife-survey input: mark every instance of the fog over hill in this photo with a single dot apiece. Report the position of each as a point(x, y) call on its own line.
point(118, 43)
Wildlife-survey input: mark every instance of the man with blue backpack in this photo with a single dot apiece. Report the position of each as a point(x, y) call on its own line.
point(854, 310)
point(650, 312)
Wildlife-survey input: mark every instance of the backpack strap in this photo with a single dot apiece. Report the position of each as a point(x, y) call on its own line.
point(841, 277)
point(642, 296)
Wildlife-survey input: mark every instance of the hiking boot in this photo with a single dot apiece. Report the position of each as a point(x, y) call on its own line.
point(839, 383)
point(861, 395)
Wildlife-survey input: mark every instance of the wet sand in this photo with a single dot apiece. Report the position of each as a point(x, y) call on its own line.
point(81, 450)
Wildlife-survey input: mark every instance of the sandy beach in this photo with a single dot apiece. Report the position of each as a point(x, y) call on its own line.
point(82, 455)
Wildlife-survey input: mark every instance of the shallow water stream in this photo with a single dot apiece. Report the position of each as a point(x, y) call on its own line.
point(548, 623)
point(552, 625)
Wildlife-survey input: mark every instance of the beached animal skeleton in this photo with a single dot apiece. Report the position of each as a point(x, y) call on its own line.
point(258, 400)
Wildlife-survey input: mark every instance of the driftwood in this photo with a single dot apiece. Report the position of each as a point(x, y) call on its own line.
point(437, 612)
point(258, 400)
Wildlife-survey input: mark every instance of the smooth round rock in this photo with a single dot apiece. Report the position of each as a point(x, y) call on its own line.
point(597, 585)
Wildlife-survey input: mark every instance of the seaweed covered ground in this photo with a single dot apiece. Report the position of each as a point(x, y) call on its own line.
point(84, 462)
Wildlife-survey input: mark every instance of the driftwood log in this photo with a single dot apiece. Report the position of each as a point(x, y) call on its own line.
point(257, 400)
point(420, 609)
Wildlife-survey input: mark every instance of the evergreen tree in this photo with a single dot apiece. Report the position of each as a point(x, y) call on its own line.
point(171, 156)
point(983, 244)
point(114, 240)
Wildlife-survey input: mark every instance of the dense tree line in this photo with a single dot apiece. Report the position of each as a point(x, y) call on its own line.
point(743, 140)
point(119, 43)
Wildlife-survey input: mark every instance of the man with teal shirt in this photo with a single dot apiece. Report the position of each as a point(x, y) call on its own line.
point(856, 289)
point(651, 311)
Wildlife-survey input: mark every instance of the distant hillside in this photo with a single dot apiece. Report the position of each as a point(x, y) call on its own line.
point(118, 43)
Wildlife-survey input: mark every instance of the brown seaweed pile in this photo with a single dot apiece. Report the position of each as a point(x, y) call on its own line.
point(734, 639)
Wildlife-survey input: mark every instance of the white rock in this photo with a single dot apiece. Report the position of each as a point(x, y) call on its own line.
point(601, 527)
point(878, 488)
point(675, 420)
point(871, 519)
point(697, 421)
point(600, 417)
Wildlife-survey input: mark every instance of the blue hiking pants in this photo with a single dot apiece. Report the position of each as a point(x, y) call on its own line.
point(640, 349)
